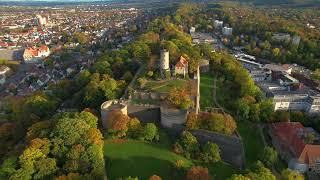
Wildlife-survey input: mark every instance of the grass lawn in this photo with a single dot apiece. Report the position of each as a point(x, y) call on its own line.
point(206, 86)
point(253, 144)
point(166, 85)
point(141, 159)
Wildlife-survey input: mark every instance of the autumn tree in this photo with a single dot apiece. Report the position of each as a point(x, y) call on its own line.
point(179, 98)
point(117, 123)
point(198, 173)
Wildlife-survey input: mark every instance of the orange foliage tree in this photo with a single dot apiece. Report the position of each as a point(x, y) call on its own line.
point(198, 173)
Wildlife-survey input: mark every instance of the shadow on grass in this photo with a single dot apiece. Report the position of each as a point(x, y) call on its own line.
point(141, 167)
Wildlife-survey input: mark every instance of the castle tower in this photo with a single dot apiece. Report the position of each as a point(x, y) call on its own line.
point(164, 59)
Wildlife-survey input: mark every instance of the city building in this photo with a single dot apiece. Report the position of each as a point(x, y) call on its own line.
point(181, 68)
point(192, 30)
point(296, 40)
point(281, 37)
point(218, 24)
point(41, 20)
point(227, 31)
point(297, 145)
point(35, 54)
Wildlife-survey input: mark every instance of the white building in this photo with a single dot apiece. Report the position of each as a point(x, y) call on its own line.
point(181, 67)
point(227, 31)
point(41, 20)
point(218, 24)
point(192, 30)
point(164, 59)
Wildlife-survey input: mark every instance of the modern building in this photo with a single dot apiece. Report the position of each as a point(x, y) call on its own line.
point(35, 54)
point(297, 145)
point(181, 68)
point(227, 31)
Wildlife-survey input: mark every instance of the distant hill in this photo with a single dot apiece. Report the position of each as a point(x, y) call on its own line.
point(283, 2)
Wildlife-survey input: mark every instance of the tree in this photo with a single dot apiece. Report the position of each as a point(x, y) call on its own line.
point(8, 167)
point(238, 177)
point(39, 105)
point(266, 110)
point(288, 174)
point(198, 173)
point(150, 132)
point(276, 52)
point(270, 156)
point(189, 144)
point(179, 98)
point(81, 37)
point(155, 177)
point(258, 171)
point(117, 123)
point(192, 121)
point(45, 167)
point(211, 153)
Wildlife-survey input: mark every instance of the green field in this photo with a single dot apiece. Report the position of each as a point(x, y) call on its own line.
point(140, 159)
point(206, 88)
point(165, 85)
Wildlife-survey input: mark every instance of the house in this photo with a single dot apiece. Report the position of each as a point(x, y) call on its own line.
point(218, 24)
point(227, 31)
point(292, 143)
point(181, 68)
point(4, 70)
point(34, 54)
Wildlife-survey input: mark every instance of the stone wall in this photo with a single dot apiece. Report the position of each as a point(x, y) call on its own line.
point(172, 116)
point(145, 113)
point(144, 95)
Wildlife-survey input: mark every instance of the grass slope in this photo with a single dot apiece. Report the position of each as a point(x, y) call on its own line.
point(252, 141)
point(206, 87)
point(136, 158)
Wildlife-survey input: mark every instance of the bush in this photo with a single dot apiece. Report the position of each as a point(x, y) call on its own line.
point(211, 153)
point(150, 74)
point(189, 144)
point(134, 128)
point(270, 156)
point(142, 82)
point(150, 132)
point(192, 121)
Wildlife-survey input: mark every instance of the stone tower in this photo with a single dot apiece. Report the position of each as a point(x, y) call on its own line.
point(164, 59)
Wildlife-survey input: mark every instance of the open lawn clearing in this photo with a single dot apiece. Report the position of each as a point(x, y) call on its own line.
point(165, 86)
point(141, 159)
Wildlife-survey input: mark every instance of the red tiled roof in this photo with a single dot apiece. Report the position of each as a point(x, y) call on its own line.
point(288, 133)
point(310, 154)
point(182, 62)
